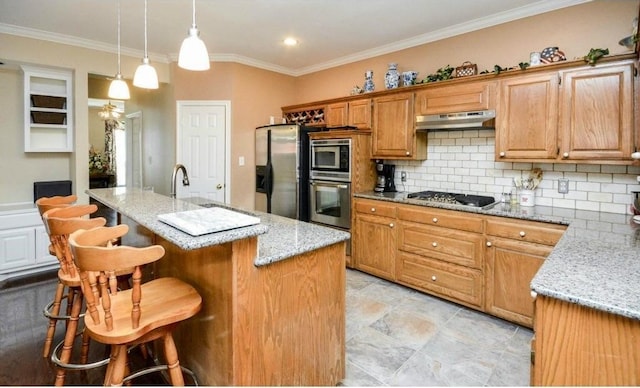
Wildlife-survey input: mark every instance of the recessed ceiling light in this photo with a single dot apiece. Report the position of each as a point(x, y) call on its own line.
point(291, 41)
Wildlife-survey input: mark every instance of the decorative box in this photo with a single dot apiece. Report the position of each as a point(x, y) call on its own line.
point(467, 68)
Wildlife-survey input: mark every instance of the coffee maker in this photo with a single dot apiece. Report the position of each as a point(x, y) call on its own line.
point(388, 171)
point(380, 180)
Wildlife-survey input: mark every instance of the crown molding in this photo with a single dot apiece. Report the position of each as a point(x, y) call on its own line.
point(462, 28)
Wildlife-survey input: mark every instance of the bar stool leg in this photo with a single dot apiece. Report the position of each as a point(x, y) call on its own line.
point(69, 337)
point(55, 310)
point(171, 354)
point(119, 365)
point(84, 356)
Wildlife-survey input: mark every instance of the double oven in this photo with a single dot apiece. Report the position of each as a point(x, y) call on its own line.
point(330, 182)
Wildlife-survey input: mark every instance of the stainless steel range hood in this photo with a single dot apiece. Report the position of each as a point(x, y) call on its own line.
point(460, 120)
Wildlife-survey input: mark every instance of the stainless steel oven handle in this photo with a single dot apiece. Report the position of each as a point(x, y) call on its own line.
point(329, 184)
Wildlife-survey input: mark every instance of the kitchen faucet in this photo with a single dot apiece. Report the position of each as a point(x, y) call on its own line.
point(185, 178)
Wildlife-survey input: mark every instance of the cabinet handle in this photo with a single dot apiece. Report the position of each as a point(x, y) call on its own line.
point(522, 233)
point(503, 154)
point(488, 243)
point(373, 209)
point(534, 294)
point(433, 277)
point(635, 155)
point(408, 153)
point(434, 244)
point(565, 155)
point(391, 225)
point(435, 220)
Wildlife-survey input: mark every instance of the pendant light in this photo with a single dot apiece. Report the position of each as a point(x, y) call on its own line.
point(119, 90)
point(145, 76)
point(193, 52)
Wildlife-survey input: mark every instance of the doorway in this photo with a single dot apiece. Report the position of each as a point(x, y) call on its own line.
point(202, 146)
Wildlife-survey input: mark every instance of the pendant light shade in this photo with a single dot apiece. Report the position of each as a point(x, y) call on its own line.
point(145, 75)
point(193, 52)
point(119, 90)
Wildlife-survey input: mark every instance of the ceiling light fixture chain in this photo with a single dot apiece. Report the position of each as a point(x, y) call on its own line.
point(145, 76)
point(118, 89)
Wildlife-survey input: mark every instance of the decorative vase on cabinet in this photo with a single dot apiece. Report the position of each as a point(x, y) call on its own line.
point(368, 81)
point(392, 77)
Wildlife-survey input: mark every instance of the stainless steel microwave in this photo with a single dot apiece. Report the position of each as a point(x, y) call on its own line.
point(331, 159)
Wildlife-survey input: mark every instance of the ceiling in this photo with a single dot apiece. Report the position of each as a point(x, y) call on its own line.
point(330, 32)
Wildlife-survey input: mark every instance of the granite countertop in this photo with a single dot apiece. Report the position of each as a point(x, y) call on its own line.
point(596, 263)
point(279, 238)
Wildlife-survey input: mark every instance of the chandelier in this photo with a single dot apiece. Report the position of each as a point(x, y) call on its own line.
point(109, 112)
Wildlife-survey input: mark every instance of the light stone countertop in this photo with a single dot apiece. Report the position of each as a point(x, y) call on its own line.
point(596, 263)
point(279, 238)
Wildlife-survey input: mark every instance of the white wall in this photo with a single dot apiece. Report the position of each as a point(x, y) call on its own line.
point(463, 161)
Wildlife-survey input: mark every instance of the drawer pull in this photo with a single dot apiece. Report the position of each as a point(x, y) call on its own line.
point(408, 153)
point(534, 294)
point(565, 155)
point(373, 209)
point(435, 220)
point(522, 233)
point(503, 154)
point(488, 243)
point(433, 277)
point(391, 225)
point(435, 244)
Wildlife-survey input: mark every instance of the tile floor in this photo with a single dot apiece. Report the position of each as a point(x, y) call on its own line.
point(400, 337)
point(395, 337)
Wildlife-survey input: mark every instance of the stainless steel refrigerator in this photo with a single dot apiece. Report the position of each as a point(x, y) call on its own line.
point(282, 170)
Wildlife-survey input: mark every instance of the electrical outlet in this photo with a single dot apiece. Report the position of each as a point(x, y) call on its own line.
point(563, 186)
point(403, 176)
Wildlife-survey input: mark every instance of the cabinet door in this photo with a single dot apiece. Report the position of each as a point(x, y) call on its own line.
point(374, 245)
point(336, 115)
point(597, 113)
point(393, 126)
point(42, 255)
point(510, 267)
point(527, 117)
point(455, 98)
point(360, 114)
point(17, 248)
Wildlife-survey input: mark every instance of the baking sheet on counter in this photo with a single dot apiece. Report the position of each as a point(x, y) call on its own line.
point(208, 220)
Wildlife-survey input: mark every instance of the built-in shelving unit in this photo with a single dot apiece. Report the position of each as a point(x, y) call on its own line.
point(48, 110)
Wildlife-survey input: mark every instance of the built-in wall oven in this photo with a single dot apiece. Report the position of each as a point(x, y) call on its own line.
point(330, 183)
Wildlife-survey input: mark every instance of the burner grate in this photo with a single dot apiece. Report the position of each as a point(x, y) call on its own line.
point(453, 198)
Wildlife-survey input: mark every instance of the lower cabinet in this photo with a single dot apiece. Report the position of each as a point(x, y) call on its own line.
point(24, 244)
point(483, 262)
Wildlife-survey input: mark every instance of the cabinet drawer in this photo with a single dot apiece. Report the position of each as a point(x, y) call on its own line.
point(537, 232)
point(455, 98)
point(449, 281)
point(445, 244)
point(375, 207)
point(443, 218)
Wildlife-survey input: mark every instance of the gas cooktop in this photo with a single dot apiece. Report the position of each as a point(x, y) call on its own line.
point(481, 201)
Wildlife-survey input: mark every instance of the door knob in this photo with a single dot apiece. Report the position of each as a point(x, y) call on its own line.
point(219, 186)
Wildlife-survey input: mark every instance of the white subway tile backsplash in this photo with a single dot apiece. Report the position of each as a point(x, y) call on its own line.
point(464, 161)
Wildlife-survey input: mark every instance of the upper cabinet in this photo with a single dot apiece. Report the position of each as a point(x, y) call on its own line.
point(456, 98)
point(578, 115)
point(48, 110)
point(526, 117)
point(355, 113)
point(394, 135)
point(596, 113)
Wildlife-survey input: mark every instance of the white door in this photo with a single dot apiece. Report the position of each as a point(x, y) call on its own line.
point(202, 147)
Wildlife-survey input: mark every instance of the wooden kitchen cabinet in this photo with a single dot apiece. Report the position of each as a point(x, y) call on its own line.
point(580, 346)
point(373, 238)
point(527, 117)
point(355, 113)
point(441, 252)
point(597, 113)
point(515, 250)
point(394, 135)
point(456, 98)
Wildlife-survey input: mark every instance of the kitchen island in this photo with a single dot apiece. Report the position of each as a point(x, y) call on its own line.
point(273, 293)
point(587, 298)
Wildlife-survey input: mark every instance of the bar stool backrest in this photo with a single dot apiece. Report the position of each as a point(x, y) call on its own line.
point(61, 222)
point(97, 259)
point(48, 203)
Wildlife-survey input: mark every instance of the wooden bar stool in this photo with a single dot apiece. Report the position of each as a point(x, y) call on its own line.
point(52, 309)
point(144, 313)
point(60, 223)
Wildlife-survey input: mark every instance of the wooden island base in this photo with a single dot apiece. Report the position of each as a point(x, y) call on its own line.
point(278, 324)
